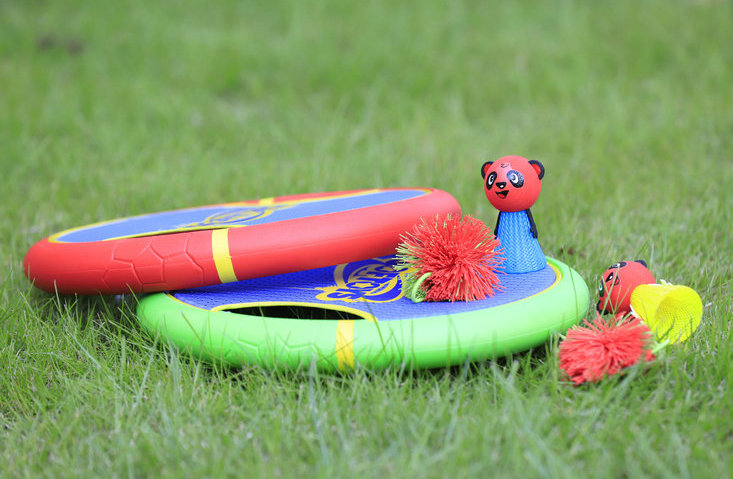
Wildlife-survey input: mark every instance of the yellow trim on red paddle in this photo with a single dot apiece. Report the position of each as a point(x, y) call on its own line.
point(54, 238)
point(222, 258)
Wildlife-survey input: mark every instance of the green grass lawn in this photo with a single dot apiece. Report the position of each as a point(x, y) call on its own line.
point(110, 109)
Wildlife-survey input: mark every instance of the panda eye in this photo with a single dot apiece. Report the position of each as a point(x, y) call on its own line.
point(609, 277)
point(600, 288)
point(490, 180)
point(515, 178)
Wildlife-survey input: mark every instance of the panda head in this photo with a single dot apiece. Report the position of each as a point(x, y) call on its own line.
point(512, 183)
point(617, 284)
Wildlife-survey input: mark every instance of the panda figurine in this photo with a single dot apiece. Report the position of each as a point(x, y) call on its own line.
point(512, 184)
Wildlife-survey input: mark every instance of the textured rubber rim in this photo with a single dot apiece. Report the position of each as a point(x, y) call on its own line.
point(207, 255)
point(428, 342)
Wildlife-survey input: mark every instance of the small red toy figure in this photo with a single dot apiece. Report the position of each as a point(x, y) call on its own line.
point(512, 185)
point(617, 284)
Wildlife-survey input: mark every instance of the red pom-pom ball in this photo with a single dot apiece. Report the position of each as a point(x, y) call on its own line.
point(601, 348)
point(458, 256)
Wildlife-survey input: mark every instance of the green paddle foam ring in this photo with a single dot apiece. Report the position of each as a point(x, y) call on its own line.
point(438, 335)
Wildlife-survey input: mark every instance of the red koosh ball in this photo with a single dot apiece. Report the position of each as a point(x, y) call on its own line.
point(617, 284)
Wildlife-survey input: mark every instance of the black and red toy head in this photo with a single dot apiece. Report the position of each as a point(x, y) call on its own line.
point(512, 183)
point(617, 284)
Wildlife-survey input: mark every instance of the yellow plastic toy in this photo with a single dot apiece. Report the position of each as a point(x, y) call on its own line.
point(672, 312)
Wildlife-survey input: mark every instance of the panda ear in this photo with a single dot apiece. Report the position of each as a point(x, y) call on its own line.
point(538, 168)
point(485, 168)
point(641, 261)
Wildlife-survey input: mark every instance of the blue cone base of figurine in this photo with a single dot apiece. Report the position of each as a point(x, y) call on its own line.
point(522, 251)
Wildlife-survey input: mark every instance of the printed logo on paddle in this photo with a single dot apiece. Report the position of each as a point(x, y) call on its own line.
point(372, 280)
point(238, 216)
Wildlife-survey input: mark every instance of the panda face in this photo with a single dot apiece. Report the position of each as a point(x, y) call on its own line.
point(617, 284)
point(512, 183)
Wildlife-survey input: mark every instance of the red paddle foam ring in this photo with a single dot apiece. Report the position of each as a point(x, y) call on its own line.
point(229, 242)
